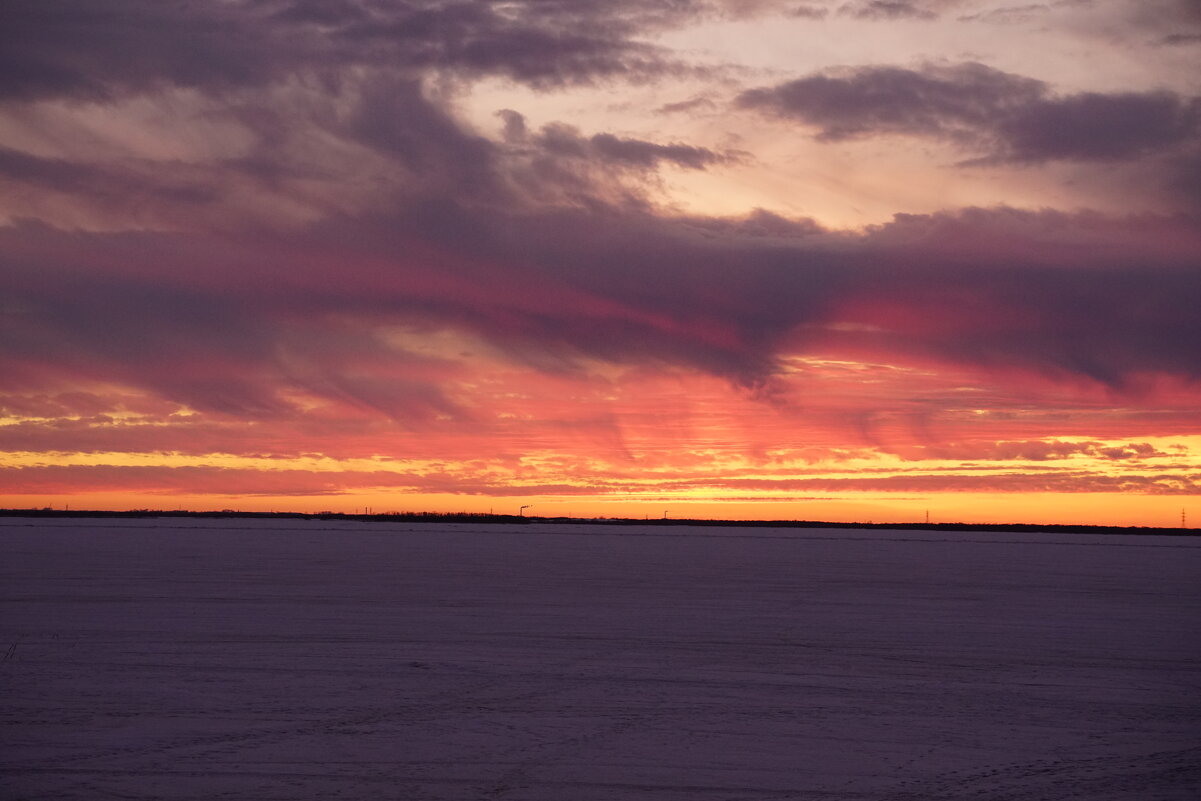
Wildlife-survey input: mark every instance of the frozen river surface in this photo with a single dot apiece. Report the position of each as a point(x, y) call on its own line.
point(193, 659)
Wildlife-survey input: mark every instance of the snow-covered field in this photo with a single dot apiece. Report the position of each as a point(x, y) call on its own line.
point(193, 659)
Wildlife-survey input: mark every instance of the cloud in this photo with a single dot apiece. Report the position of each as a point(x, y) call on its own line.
point(245, 325)
point(1082, 311)
point(759, 224)
point(1097, 127)
point(545, 244)
point(55, 48)
point(183, 280)
point(539, 44)
point(692, 104)
point(1126, 23)
point(887, 10)
point(52, 48)
point(160, 480)
point(125, 187)
point(1009, 15)
point(558, 165)
point(1018, 482)
point(1032, 451)
point(1004, 118)
point(809, 12)
point(249, 232)
point(1176, 39)
point(565, 141)
point(1168, 23)
point(935, 101)
point(393, 116)
point(58, 174)
point(284, 481)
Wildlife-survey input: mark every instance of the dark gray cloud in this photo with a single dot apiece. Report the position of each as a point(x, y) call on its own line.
point(948, 102)
point(1175, 39)
point(58, 48)
point(393, 116)
point(1184, 177)
point(557, 164)
point(759, 224)
point(58, 173)
point(888, 9)
point(566, 141)
point(1100, 127)
point(1003, 117)
point(240, 324)
point(1167, 23)
point(692, 104)
point(1068, 308)
point(543, 44)
point(543, 243)
point(124, 188)
point(648, 154)
point(809, 12)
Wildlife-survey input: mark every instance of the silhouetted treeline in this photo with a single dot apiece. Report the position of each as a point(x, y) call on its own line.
point(484, 517)
point(418, 517)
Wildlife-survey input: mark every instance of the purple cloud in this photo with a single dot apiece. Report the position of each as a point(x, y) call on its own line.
point(56, 48)
point(1003, 117)
point(238, 325)
point(544, 243)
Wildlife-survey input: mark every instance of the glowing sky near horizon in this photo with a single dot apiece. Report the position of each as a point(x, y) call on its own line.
point(841, 260)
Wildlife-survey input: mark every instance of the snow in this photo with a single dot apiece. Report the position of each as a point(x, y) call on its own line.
point(287, 659)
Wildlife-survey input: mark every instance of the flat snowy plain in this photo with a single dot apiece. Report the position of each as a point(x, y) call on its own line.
point(280, 659)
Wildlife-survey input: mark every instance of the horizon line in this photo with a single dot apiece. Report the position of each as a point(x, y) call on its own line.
point(489, 517)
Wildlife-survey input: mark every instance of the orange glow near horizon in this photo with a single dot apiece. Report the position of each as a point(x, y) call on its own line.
point(830, 439)
point(1101, 509)
point(632, 444)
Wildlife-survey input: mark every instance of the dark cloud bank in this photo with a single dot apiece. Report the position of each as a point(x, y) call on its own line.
point(544, 243)
point(57, 48)
point(229, 324)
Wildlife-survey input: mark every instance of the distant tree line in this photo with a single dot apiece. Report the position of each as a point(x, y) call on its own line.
point(488, 517)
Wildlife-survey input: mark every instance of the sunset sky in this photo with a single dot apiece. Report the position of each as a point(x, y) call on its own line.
point(844, 260)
